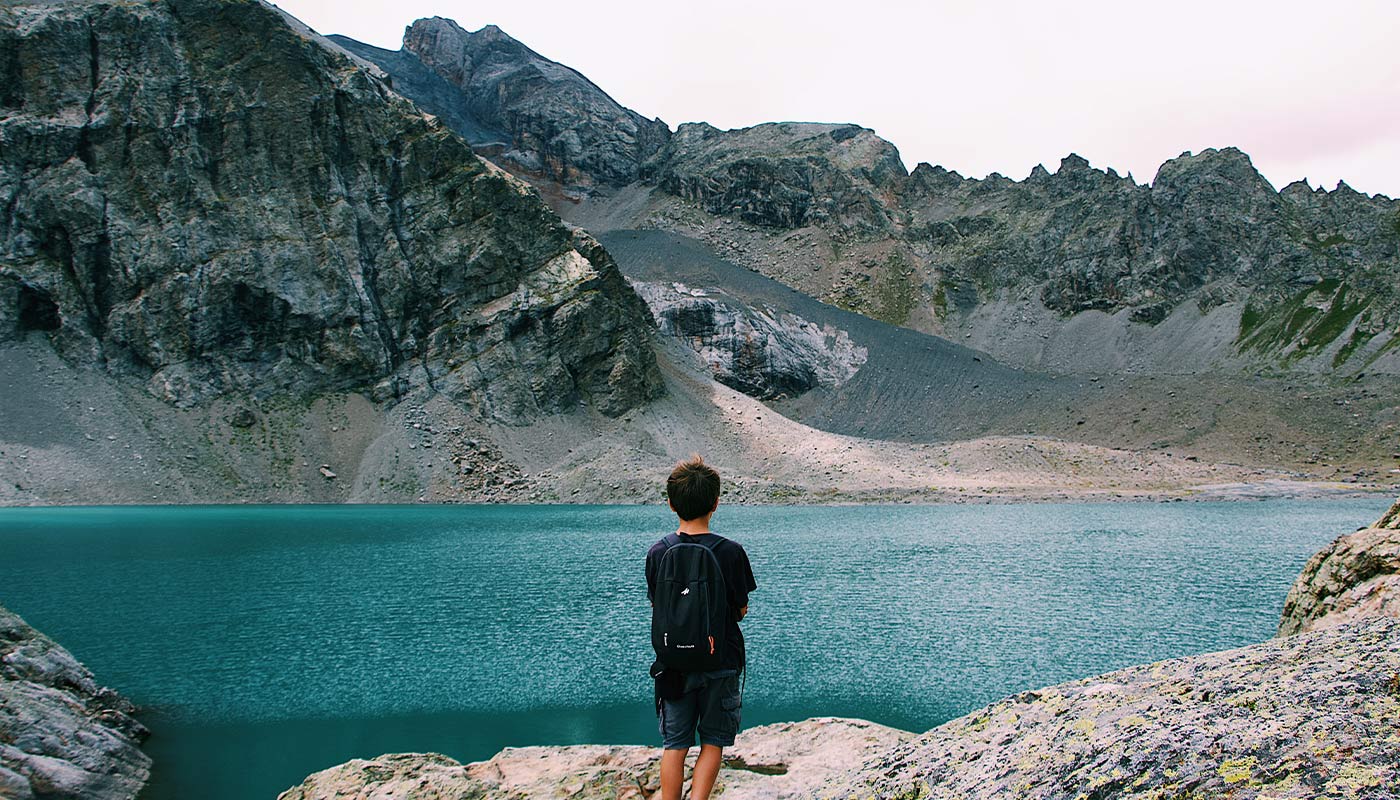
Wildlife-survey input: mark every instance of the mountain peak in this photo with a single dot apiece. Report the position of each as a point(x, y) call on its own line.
point(1228, 163)
point(1074, 163)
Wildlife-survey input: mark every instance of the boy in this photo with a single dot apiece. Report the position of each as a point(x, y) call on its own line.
point(706, 702)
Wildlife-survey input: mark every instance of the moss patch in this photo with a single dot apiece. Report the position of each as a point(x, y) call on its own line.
point(895, 291)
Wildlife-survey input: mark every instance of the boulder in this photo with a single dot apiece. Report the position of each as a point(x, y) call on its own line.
point(772, 762)
point(61, 734)
point(1355, 577)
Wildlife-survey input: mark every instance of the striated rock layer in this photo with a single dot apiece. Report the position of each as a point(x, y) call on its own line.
point(205, 197)
point(773, 762)
point(1313, 715)
point(62, 735)
point(1356, 577)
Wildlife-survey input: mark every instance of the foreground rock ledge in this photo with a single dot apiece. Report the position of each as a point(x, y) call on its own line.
point(786, 760)
point(62, 735)
point(1312, 715)
point(1357, 576)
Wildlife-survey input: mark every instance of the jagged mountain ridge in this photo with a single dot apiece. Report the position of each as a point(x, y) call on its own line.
point(534, 115)
point(1307, 278)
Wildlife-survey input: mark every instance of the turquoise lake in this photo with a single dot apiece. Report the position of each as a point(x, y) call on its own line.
point(267, 642)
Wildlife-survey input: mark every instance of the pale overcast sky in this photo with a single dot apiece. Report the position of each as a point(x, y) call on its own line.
point(1307, 89)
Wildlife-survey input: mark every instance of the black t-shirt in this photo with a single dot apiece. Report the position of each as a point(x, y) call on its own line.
point(738, 582)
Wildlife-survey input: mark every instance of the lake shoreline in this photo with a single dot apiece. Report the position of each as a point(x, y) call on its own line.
point(1271, 489)
point(299, 637)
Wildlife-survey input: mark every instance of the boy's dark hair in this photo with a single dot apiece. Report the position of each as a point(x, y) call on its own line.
point(693, 488)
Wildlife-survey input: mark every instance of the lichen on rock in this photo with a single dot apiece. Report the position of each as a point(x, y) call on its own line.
point(1313, 715)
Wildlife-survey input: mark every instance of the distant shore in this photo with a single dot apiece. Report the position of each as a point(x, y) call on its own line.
point(1272, 489)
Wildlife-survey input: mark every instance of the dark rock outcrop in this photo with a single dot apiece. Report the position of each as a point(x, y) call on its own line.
point(1208, 229)
point(62, 735)
point(534, 115)
point(206, 198)
point(1355, 577)
point(785, 174)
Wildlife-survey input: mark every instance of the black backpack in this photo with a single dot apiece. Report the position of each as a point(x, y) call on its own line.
point(690, 608)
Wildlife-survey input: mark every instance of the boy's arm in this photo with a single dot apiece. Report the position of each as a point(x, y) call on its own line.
point(747, 582)
point(651, 580)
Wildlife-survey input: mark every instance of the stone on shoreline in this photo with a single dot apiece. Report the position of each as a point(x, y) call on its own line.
point(62, 735)
point(1357, 576)
point(772, 762)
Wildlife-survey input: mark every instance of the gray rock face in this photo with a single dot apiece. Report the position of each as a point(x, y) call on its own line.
point(1308, 716)
point(762, 352)
point(773, 762)
point(536, 116)
point(785, 174)
point(204, 198)
point(1356, 577)
point(1209, 228)
point(62, 735)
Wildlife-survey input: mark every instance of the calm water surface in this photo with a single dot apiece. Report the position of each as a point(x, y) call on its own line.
point(268, 642)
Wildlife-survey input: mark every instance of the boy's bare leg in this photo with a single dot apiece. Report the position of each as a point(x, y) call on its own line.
point(672, 773)
point(706, 770)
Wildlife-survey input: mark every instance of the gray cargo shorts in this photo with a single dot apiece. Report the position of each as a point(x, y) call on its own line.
point(710, 707)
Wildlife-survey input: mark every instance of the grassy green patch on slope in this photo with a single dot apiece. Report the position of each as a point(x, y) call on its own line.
point(1310, 320)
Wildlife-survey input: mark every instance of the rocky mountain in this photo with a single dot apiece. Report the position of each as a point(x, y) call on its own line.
point(206, 199)
point(784, 175)
point(1356, 577)
point(536, 116)
point(1080, 270)
point(61, 734)
point(236, 265)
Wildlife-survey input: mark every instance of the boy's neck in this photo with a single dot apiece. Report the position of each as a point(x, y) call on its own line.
point(695, 527)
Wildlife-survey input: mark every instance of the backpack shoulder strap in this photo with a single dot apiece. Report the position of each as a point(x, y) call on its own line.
point(708, 541)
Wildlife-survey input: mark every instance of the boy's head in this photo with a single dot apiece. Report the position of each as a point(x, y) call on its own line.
point(693, 489)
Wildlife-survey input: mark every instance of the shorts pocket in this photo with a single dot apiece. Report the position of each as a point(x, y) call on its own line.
point(733, 709)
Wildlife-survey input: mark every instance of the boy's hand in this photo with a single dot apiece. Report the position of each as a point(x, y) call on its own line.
point(743, 612)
